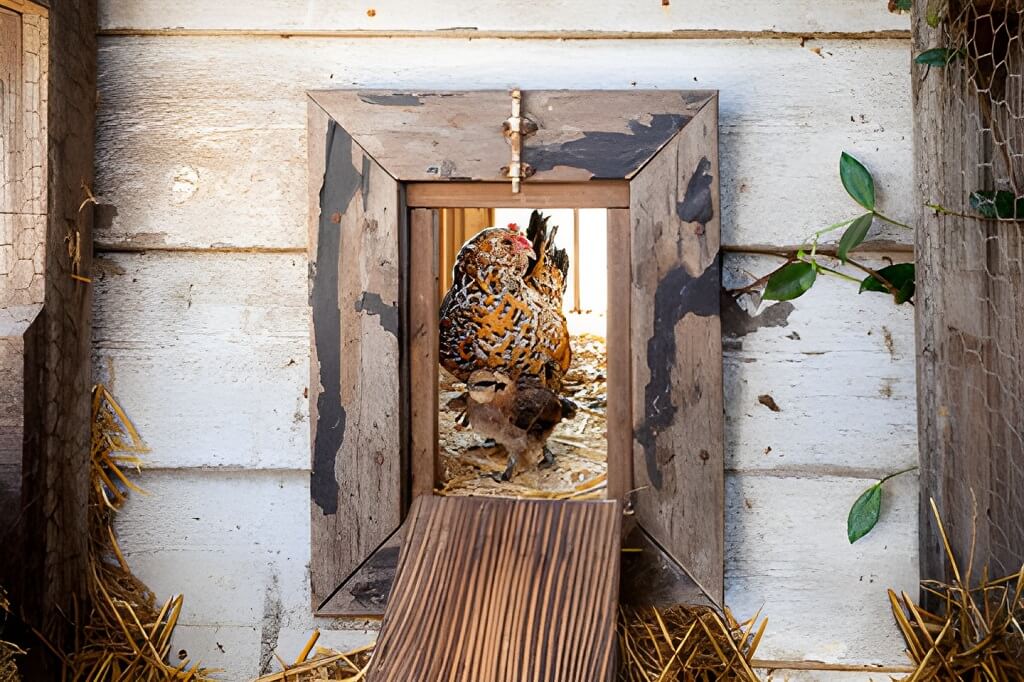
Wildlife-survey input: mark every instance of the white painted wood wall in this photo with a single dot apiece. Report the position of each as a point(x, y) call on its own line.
point(201, 302)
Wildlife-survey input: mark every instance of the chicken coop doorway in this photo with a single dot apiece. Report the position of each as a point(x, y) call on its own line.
point(399, 182)
point(567, 456)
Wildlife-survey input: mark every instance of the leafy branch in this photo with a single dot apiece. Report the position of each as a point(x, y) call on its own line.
point(802, 266)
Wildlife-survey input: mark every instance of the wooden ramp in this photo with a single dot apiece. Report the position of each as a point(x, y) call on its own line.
point(500, 590)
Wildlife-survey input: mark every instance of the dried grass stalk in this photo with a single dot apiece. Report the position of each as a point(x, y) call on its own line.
point(678, 644)
point(687, 644)
point(326, 664)
point(125, 635)
point(8, 651)
point(975, 636)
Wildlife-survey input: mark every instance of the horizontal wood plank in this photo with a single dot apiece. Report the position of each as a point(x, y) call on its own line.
point(236, 544)
point(787, 553)
point(204, 330)
point(833, 361)
point(209, 355)
point(430, 135)
point(586, 194)
point(579, 15)
point(221, 154)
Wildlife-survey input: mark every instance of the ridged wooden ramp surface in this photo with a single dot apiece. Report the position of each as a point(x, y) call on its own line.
point(501, 590)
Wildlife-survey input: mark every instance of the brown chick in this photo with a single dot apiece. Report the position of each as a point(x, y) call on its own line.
point(519, 415)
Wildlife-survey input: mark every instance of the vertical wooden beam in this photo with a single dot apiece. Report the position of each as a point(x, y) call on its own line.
point(45, 315)
point(969, 315)
point(576, 260)
point(423, 348)
point(620, 361)
point(11, 346)
point(676, 342)
point(355, 400)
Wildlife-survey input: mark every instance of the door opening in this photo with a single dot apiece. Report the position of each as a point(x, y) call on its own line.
point(522, 383)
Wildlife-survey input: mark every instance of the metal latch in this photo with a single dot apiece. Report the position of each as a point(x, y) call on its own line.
point(515, 128)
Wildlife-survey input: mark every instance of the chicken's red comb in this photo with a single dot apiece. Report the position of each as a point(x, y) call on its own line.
point(514, 227)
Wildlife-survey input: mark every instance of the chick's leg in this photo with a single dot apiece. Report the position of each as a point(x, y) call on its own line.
point(510, 469)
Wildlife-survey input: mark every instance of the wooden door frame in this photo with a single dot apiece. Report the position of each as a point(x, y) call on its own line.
point(665, 427)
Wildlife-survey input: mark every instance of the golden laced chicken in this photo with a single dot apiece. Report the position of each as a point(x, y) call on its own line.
point(503, 316)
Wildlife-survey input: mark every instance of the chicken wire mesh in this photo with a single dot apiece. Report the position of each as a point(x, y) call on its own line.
point(982, 137)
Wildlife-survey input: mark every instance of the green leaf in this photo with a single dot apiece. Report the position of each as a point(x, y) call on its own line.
point(901, 276)
point(857, 181)
point(903, 5)
point(998, 205)
point(934, 11)
point(854, 235)
point(790, 282)
point(938, 56)
point(864, 513)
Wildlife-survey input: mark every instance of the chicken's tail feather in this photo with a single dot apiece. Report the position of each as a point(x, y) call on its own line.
point(544, 247)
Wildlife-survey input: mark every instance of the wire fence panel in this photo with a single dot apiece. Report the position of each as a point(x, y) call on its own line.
point(969, 127)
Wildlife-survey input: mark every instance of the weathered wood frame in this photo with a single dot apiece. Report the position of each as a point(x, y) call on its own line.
point(45, 325)
point(665, 433)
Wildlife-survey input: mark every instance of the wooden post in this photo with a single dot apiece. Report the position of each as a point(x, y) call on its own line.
point(45, 319)
point(423, 352)
point(970, 327)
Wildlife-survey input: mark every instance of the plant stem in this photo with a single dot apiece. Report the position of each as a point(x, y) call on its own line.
point(759, 281)
point(902, 471)
point(938, 208)
point(824, 231)
point(891, 221)
point(841, 275)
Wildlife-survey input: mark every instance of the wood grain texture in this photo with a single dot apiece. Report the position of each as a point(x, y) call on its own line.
point(23, 97)
point(451, 135)
point(787, 554)
point(12, 425)
point(58, 117)
point(491, 590)
point(593, 194)
point(424, 302)
point(864, 393)
point(578, 15)
point(356, 482)
point(678, 452)
point(237, 325)
point(178, 336)
point(365, 593)
point(652, 578)
point(619, 364)
point(10, 108)
point(970, 328)
point(229, 143)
